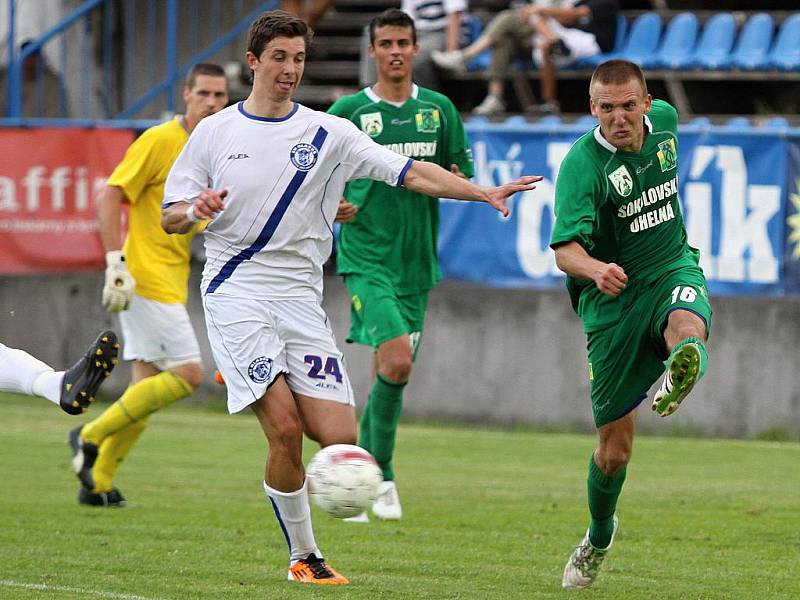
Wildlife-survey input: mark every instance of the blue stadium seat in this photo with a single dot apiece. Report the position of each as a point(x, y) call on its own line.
point(716, 41)
point(515, 121)
point(776, 123)
point(643, 39)
point(550, 121)
point(619, 43)
point(737, 123)
point(471, 29)
point(677, 46)
point(750, 53)
point(585, 121)
point(785, 55)
point(478, 120)
point(700, 122)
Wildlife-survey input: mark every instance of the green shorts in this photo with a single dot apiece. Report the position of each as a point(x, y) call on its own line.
point(378, 313)
point(626, 358)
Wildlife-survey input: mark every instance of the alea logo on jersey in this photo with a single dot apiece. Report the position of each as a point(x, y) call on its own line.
point(304, 156)
point(260, 369)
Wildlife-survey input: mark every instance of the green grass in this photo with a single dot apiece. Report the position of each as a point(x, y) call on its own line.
point(488, 514)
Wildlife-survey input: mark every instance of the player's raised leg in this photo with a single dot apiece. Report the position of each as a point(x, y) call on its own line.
point(684, 335)
point(285, 483)
point(74, 389)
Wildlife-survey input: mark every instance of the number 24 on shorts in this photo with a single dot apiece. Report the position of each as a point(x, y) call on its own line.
point(317, 371)
point(684, 293)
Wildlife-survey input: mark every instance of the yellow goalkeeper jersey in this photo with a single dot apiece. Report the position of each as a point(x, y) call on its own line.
point(159, 262)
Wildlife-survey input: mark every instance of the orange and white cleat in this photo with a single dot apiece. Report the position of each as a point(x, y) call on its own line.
point(315, 570)
point(218, 377)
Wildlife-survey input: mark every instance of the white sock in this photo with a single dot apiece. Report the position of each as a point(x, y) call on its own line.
point(22, 373)
point(48, 384)
point(294, 517)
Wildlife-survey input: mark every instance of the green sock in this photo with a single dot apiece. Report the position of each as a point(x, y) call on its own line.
point(384, 407)
point(703, 353)
point(364, 431)
point(603, 494)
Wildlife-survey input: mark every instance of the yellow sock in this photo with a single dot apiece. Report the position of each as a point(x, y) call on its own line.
point(112, 451)
point(139, 400)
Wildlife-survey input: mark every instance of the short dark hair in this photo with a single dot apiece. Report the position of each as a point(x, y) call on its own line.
point(211, 69)
point(618, 72)
point(276, 23)
point(392, 17)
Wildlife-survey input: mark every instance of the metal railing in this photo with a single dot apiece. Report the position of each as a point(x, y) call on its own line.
point(119, 60)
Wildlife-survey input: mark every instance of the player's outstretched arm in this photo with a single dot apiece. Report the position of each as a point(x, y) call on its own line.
point(179, 217)
point(573, 259)
point(432, 180)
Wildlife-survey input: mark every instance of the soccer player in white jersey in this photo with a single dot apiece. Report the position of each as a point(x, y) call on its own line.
point(268, 174)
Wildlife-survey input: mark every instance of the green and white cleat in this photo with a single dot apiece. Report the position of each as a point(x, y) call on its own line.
point(685, 367)
point(584, 564)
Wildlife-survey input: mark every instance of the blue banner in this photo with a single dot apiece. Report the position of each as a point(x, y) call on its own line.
point(733, 190)
point(791, 254)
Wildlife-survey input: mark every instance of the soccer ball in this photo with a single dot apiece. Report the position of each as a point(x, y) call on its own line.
point(343, 480)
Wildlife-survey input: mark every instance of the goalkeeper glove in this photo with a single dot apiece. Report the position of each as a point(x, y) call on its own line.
point(118, 290)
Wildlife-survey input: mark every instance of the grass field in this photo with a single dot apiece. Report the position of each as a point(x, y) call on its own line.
point(488, 514)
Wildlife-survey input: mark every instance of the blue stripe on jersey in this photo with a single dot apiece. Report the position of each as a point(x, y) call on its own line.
point(272, 223)
point(402, 177)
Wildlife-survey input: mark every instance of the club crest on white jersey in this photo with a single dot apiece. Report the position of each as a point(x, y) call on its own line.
point(260, 369)
point(304, 156)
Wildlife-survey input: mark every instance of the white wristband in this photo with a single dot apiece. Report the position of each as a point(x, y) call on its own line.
point(190, 214)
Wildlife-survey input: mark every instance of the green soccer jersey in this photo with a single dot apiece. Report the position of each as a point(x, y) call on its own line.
point(394, 233)
point(622, 207)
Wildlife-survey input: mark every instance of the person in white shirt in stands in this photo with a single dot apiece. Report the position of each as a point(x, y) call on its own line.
point(268, 174)
point(438, 27)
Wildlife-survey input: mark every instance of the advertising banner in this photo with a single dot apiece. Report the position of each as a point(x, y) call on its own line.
point(49, 180)
point(732, 189)
point(791, 255)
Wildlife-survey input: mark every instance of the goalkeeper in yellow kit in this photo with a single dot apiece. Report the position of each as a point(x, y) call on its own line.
point(146, 283)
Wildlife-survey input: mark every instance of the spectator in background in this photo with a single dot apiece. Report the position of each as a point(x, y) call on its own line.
point(147, 276)
point(43, 93)
point(557, 35)
point(438, 27)
point(314, 13)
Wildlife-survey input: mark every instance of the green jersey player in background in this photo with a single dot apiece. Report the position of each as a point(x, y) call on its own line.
point(387, 253)
point(632, 278)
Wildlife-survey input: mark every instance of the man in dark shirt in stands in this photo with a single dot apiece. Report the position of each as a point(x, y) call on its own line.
point(557, 34)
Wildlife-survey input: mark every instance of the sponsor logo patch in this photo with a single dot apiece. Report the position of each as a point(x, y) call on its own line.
point(427, 120)
point(260, 369)
point(372, 124)
point(667, 155)
point(622, 181)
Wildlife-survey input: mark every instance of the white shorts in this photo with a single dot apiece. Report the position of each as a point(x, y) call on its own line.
point(158, 333)
point(253, 341)
point(580, 43)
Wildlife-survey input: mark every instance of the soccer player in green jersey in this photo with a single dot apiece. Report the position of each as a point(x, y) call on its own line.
point(632, 278)
point(387, 253)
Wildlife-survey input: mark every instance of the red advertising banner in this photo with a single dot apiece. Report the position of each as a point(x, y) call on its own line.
point(49, 181)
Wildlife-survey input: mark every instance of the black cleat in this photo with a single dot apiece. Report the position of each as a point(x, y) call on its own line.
point(84, 455)
point(111, 499)
point(82, 380)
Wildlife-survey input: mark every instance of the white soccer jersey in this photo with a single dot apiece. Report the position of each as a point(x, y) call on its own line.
point(284, 179)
